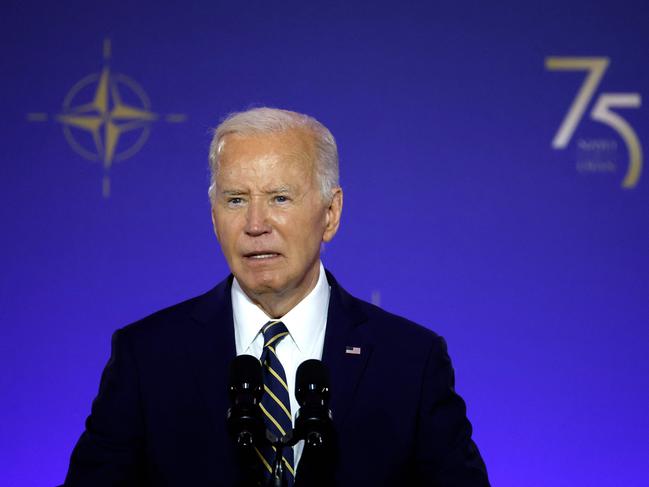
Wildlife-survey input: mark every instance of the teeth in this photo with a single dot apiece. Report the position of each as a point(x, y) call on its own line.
point(262, 256)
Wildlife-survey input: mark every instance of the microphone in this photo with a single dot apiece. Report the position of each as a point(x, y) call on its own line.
point(244, 421)
point(314, 423)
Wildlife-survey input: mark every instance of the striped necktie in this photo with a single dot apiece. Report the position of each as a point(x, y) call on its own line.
point(275, 402)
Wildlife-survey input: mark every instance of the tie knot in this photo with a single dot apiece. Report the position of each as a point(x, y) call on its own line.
point(273, 332)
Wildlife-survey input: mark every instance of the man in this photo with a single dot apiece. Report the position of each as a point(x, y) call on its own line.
point(159, 417)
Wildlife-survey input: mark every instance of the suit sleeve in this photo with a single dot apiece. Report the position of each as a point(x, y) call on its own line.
point(446, 456)
point(109, 451)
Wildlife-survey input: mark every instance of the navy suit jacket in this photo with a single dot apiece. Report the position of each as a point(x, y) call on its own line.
point(159, 416)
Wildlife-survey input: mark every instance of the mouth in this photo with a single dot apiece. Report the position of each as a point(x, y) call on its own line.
point(261, 255)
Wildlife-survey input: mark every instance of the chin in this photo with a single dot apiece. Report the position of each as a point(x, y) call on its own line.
point(260, 284)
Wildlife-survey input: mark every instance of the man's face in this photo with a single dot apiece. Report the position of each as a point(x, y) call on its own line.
point(269, 214)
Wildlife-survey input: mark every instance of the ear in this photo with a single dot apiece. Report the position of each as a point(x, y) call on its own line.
point(334, 211)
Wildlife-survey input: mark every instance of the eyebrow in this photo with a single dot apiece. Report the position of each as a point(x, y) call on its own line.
point(239, 192)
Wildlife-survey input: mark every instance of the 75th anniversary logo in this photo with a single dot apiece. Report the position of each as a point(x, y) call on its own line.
point(601, 153)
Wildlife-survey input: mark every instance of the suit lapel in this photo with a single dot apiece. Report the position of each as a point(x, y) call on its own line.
point(211, 348)
point(344, 322)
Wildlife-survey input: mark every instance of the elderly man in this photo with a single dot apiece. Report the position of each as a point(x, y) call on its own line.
point(159, 417)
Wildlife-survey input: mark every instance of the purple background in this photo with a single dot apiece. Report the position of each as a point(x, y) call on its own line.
point(458, 212)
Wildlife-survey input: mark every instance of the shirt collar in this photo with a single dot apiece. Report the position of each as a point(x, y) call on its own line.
point(303, 321)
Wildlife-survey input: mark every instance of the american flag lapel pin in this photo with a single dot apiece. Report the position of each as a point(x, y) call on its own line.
point(353, 350)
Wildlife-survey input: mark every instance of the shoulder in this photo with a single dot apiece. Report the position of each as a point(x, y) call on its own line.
point(393, 326)
point(396, 334)
point(403, 339)
point(169, 317)
point(174, 320)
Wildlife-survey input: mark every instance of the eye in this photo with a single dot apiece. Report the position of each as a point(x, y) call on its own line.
point(235, 201)
point(280, 198)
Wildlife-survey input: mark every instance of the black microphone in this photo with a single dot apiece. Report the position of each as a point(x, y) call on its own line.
point(244, 420)
point(314, 422)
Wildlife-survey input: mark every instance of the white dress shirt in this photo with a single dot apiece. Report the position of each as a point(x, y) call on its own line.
point(306, 324)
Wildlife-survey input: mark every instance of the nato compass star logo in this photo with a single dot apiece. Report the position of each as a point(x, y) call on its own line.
point(106, 117)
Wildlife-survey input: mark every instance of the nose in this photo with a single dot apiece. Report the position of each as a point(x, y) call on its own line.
point(257, 218)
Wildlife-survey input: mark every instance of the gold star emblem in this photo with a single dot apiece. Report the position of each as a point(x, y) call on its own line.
point(96, 105)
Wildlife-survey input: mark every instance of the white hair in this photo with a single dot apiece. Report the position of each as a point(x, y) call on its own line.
point(265, 120)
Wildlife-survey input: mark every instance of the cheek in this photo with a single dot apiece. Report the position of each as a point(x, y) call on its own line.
point(283, 219)
point(226, 233)
point(309, 232)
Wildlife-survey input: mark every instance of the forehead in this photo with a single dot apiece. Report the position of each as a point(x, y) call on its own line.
point(288, 150)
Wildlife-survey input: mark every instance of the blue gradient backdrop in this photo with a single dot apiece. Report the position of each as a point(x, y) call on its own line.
point(458, 212)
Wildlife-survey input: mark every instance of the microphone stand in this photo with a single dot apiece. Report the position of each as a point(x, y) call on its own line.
point(277, 477)
point(313, 441)
point(287, 441)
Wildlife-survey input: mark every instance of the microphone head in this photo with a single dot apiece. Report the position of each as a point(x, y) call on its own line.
point(246, 376)
point(312, 377)
point(244, 421)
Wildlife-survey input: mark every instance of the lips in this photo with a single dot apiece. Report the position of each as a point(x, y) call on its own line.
point(261, 255)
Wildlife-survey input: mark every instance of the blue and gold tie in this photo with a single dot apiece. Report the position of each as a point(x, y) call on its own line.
point(275, 402)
